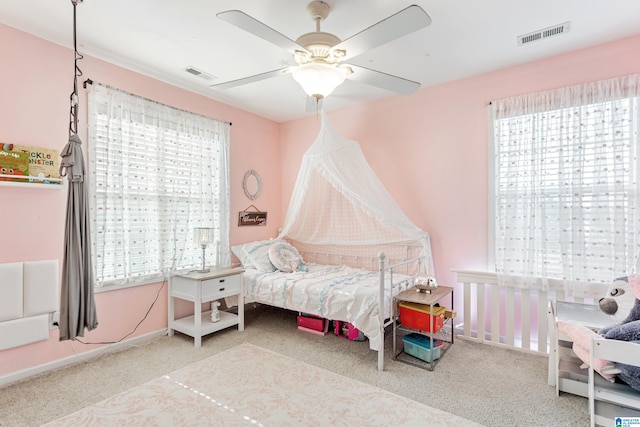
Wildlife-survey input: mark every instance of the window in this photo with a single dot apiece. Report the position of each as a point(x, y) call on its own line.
point(156, 173)
point(564, 191)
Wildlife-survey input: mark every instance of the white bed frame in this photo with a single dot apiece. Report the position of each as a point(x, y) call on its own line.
point(403, 265)
point(381, 312)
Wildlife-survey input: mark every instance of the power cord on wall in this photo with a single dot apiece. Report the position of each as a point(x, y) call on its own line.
point(136, 327)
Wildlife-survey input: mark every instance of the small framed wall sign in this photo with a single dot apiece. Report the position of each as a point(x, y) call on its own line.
point(255, 217)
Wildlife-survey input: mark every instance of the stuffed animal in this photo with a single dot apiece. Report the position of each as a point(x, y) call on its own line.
point(629, 328)
point(619, 300)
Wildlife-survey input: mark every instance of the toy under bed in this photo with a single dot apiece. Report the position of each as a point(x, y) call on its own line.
point(333, 292)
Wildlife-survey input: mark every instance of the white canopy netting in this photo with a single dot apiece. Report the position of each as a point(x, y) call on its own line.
point(339, 205)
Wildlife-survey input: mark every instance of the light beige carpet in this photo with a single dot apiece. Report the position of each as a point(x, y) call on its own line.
point(250, 385)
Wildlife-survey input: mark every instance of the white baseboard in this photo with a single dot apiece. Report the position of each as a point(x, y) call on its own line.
point(78, 358)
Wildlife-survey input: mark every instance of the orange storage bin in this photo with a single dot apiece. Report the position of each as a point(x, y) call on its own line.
point(416, 316)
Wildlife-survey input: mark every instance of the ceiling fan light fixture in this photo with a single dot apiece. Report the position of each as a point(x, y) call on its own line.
point(317, 79)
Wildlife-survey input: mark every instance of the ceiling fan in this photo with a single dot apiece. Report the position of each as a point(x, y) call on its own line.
point(320, 56)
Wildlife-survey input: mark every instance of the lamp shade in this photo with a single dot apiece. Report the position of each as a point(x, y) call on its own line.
point(203, 235)
point(318, 80)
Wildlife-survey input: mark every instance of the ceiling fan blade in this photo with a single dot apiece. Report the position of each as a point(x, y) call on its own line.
point(257, 28)
point(383, 80)
point(408, 20)
point(251, 79)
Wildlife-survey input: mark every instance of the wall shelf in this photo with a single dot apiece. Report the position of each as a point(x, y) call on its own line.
point(32, 182)
point(32, 185)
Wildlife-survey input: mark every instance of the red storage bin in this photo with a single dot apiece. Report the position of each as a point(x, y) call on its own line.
point(416, 316)
point(314, 324)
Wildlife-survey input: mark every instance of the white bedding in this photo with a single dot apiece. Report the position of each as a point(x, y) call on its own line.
point(333, 292)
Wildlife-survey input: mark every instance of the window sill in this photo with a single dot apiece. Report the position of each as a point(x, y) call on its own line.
point(118, 287)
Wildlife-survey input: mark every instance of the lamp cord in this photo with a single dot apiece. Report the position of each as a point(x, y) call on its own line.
point(164, 282)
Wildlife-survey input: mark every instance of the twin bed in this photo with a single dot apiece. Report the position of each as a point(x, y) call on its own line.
point(352, 288)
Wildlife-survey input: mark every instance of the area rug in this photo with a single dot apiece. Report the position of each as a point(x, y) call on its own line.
point(249, 385)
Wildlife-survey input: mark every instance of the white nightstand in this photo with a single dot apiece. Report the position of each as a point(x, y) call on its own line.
point(205, 287)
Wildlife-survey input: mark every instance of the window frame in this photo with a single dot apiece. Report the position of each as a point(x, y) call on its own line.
point(493, 168)
point(217, 199)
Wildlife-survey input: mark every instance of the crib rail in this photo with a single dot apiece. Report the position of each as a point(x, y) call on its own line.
point(511, 315)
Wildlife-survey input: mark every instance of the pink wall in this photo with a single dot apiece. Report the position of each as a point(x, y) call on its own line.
point(430, 149)
point(36, 79)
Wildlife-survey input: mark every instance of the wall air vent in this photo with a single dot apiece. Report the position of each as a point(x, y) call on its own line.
point(544, 33)
point(198, 73)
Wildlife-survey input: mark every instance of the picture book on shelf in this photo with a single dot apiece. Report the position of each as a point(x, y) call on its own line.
point(14, 165)
point(29, 164)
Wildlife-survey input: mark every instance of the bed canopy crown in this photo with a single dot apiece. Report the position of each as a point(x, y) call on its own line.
point(338, 200)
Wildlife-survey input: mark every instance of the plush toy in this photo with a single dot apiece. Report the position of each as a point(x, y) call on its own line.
point(619, 295)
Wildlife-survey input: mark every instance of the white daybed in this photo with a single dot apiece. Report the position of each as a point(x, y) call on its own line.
point(339, 206)
point(336, 291)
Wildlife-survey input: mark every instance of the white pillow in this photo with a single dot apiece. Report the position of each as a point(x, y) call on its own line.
point(285, 257)
point(239, 251)
point(256, 254)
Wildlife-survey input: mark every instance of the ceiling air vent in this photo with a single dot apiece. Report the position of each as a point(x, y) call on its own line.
point(198, 73)
point(544, 33)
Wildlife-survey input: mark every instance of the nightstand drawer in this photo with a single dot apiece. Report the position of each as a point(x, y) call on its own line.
point(221, 287)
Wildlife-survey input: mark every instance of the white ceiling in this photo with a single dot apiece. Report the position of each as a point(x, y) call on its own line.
point(160, 38)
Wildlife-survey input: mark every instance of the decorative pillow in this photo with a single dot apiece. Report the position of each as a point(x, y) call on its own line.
point(581, 337)
point(285, 257)
point(256, 254)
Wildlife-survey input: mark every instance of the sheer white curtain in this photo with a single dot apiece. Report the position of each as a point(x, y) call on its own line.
point(338, 204)
point(565, 184)
point(156, 173)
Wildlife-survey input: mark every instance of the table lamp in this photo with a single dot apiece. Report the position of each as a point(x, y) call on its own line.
point(203, 236)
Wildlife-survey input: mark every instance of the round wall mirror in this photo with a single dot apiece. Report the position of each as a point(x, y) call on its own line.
point(252, 185)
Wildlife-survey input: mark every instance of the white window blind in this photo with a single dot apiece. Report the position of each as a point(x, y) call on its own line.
point(156, 173)
point(565, 183)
